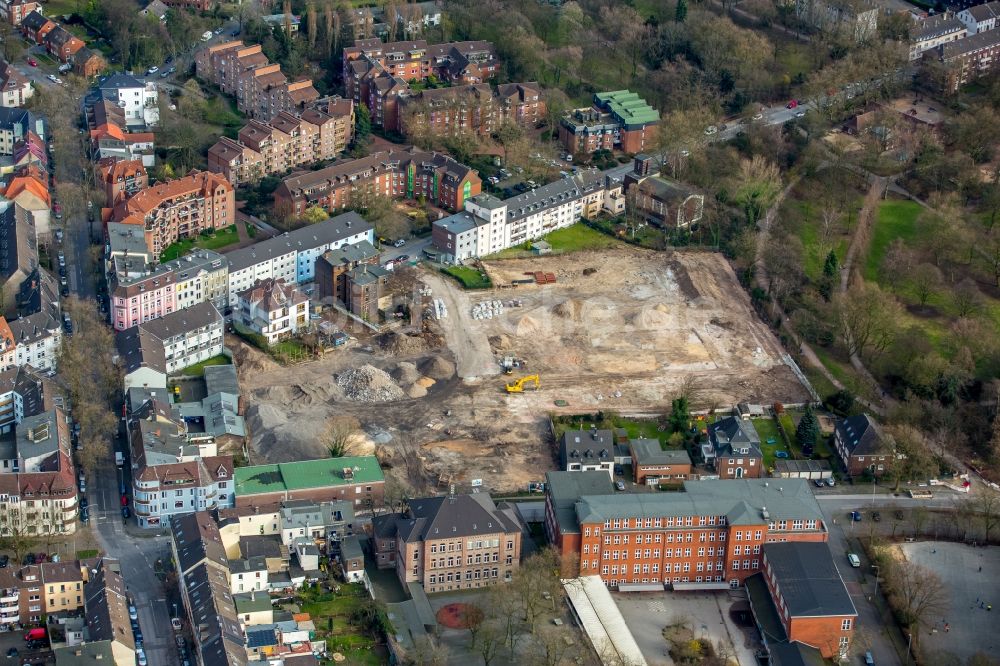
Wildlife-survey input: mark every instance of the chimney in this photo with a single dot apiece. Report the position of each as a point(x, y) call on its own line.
point(641, 165)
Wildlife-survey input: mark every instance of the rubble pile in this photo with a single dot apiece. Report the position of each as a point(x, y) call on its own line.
point(369, 384)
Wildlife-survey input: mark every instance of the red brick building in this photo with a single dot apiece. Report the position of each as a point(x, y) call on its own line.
point(654, 466)
point(62, 44)
point(408, 173)
point(617, 120)
point(861, 447)
point(473, 108)
point(35, 26)
point(121, 178)
point(709, 536)
point(800, 597)
point(14, 11)
point(733, 448)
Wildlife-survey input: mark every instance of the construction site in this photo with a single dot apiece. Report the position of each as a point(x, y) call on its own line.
point(463, 395)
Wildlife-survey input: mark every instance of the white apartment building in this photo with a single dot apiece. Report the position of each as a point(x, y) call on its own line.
point(161, 491)
point(273, 309)
point(981, 17)
point(292, 256)
point(489, 225)
point(138, 100)
point(933, 32)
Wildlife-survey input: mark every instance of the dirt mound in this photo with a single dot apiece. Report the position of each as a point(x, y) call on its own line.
point(401, 344)
point(369, 384)
point(653, 318)
point(569, 309)
point(528, 326)
point(426, 382)
point(438, 368)
point(406, 373)
point(416, 391)
point(280, 439)
point(500, 341)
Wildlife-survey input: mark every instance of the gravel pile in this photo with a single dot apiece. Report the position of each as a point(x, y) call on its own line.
point(369, 384)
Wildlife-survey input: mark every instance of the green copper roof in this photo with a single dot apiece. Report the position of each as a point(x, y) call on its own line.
point(628, 106)
point(306, 474)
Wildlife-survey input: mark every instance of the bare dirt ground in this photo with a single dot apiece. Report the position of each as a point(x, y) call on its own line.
point(623, 330)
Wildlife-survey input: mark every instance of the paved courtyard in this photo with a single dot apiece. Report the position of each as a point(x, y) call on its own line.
point(707, 613)
point(969, 574)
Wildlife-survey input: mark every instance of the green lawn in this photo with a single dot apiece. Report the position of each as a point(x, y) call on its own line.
point(768, 429)
point(290, 349)
point(217, 241)
point(470, 278)
point(198, 369)
point(345, 637)
point(579, 237)
point(895, 219)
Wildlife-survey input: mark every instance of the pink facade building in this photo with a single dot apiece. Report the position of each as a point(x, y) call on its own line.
point(138, 300)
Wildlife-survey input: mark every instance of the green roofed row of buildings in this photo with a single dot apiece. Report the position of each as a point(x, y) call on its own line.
point(358, 479)
point(618, 120)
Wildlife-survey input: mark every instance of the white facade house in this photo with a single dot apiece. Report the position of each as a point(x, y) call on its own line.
point(292, 256)
point(138, 100)
point(489, 225)
point(273, 309)
point(980, 18)
point(161, 491)
point(933, 32)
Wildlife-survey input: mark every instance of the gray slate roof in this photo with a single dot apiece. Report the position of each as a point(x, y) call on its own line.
point(860, 435)
point(649, 452)
point(731, 434)
point(566, 488)
point(586, 446)
point(743, 502)
point(808, 580)
point(460, 516)
point(312, 236)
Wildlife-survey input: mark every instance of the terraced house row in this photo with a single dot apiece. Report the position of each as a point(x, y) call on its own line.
point(259, 86)
point(320, 132)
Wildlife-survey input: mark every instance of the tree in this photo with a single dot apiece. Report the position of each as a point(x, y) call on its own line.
point(868, 319)
point(314, 215)
point(967, 298)
point(489, 639)
point(926, 278)
point(759, 185)
point(913, 459)
point(362, 125)
point(917, 594)
point(807, 431)
point(680, 416)
point(536, 579)
point(681, 12)
point(14, 538)
point(897, 263)
point(987, 507)
point(508, 134)
point(341, 435)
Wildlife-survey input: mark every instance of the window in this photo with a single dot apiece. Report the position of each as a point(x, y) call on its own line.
point(845, 625)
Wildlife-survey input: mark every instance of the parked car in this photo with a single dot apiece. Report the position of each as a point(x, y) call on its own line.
point(84, 515)
point(856, 516)
point(125, 512)
point(124, 500)
point(175, 622)
point(869, 659)
point(792, 104)
point(620, 485)
point(51, 77)
point(140, 655)
point(84, 503)
point(830, 482)
point(399, 242)
point(4, 561)
point(711, 129)
point(876, 516)
point(133, 614)
point(32, 62)
point(819, 483)
point(854, 560)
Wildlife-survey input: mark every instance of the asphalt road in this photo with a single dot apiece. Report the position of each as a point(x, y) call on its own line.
point(861, 581)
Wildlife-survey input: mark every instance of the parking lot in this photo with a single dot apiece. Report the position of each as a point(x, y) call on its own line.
point(15, 639)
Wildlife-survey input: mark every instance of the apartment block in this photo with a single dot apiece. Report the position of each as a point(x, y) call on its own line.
point(175, 285)
point(285, 142)
point(488, 225)
point(980, 18)
point(407, 173)
point(708, 537)
point(292, 256)
point(260, 88)
point(15, 124)
point(853, 19)
point(111, 137)
point(38, 491)
point(180, 208)
point(106, 605)
point(136, 98)
point(454, 542)
point(617, 120)
point(203, 578)
point(968, 59)
point(154, 349)
point(934, 31)
point(121, 178)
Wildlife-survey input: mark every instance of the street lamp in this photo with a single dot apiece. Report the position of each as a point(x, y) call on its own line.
point(909, 639)
point(877, 572)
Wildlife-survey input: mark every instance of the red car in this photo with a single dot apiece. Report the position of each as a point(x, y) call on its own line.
point(32, 62)
point(791, 105)
point(124, 500)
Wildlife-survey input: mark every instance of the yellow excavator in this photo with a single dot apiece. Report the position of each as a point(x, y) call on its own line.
point(518, 386)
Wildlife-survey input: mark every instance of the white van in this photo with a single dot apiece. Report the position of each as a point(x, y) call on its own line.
point(854, 560)
point(207, 35)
